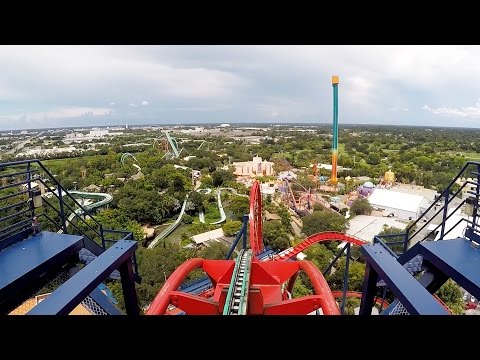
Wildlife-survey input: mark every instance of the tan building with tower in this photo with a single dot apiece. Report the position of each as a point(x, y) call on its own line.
point(254, 167)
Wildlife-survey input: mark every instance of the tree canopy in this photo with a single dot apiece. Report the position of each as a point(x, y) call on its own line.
point(361, 206)
point(452, 296)
point(275, 236)
point(231, 228)
point(320, 221)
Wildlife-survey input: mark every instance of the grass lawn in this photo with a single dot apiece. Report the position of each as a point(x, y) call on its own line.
point(211, 213)
point(65, 160)
point(176, 235)
point(281, 155)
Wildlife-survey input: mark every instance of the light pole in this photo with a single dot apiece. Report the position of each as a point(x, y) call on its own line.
point(164, 274)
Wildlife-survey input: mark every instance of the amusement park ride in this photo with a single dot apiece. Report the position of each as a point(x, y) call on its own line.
point(251, 284)
point(39, 250)
point(303, 203)
point(169, 145)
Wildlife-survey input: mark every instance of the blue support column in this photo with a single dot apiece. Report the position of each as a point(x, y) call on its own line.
point(102, 236)
point(128, 286)
point(242, 232)
point(368, 290)
point(345, 279)
point(62, 210)
point(445, 212)
point(135, 266)
point(245, 223)
point(30, 194)
point(475, 207)
point(340, 253)
point(406, 240)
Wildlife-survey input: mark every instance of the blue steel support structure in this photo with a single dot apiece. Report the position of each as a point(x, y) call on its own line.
point(62, 211)
point(245, 222)
point(444, 200)
point(29, 263)
point(475, 214)
point(241, 233)
point(64, 299)
point(128, 286)
point(416, 299)
point(30, 194)
point(445, 213)
point(334, 261)
point(345, 279)
point(369, 290)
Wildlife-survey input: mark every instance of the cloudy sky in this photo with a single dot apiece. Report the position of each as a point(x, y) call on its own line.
point(49, 86)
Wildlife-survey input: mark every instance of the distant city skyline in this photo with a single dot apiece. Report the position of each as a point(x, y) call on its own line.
point(72, 86)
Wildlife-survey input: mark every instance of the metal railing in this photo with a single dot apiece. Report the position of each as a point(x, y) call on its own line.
point(54, 207)
point(444, 200)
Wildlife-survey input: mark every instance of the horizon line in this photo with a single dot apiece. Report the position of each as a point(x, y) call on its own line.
point(243, 124)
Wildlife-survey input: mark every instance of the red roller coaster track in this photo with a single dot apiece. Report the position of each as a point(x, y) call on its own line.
point(256, 241)
point(317, 238)
point(266, 293)
point(265, 289)
point(358, 295)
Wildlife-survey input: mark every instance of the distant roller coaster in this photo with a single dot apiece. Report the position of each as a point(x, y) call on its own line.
point(170, 146)
point(125, 156)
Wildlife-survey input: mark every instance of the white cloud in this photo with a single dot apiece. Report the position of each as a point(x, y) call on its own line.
point(359, 90)
point(203, 108)
point(290, 83)
point(397, 108)
point(44, 72)
point(60, 113)
point(463, 112)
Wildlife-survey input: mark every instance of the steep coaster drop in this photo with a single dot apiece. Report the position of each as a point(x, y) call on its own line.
point(248, 286)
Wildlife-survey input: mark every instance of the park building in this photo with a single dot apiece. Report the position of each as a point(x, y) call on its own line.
point(366, 189)
point(254, 167)
point(401, 205)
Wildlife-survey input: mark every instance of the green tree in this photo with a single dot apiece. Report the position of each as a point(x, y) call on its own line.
point(187, 219)
point(154, 265)
point(299, 289)
point(320, 221)
point(199, 228)
point(275, 236)
point(268, 199)
point(373, 158)
point(320, 255)
point(220, 177)
point(361, 206)
point(356, 275)
point(196, 199)
point(115, 219)
point(231, 228)
point(216, 250)
point(283, 212)
point(239, 206)
point(451, 295)
point(390, 230)
point(350, 304)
